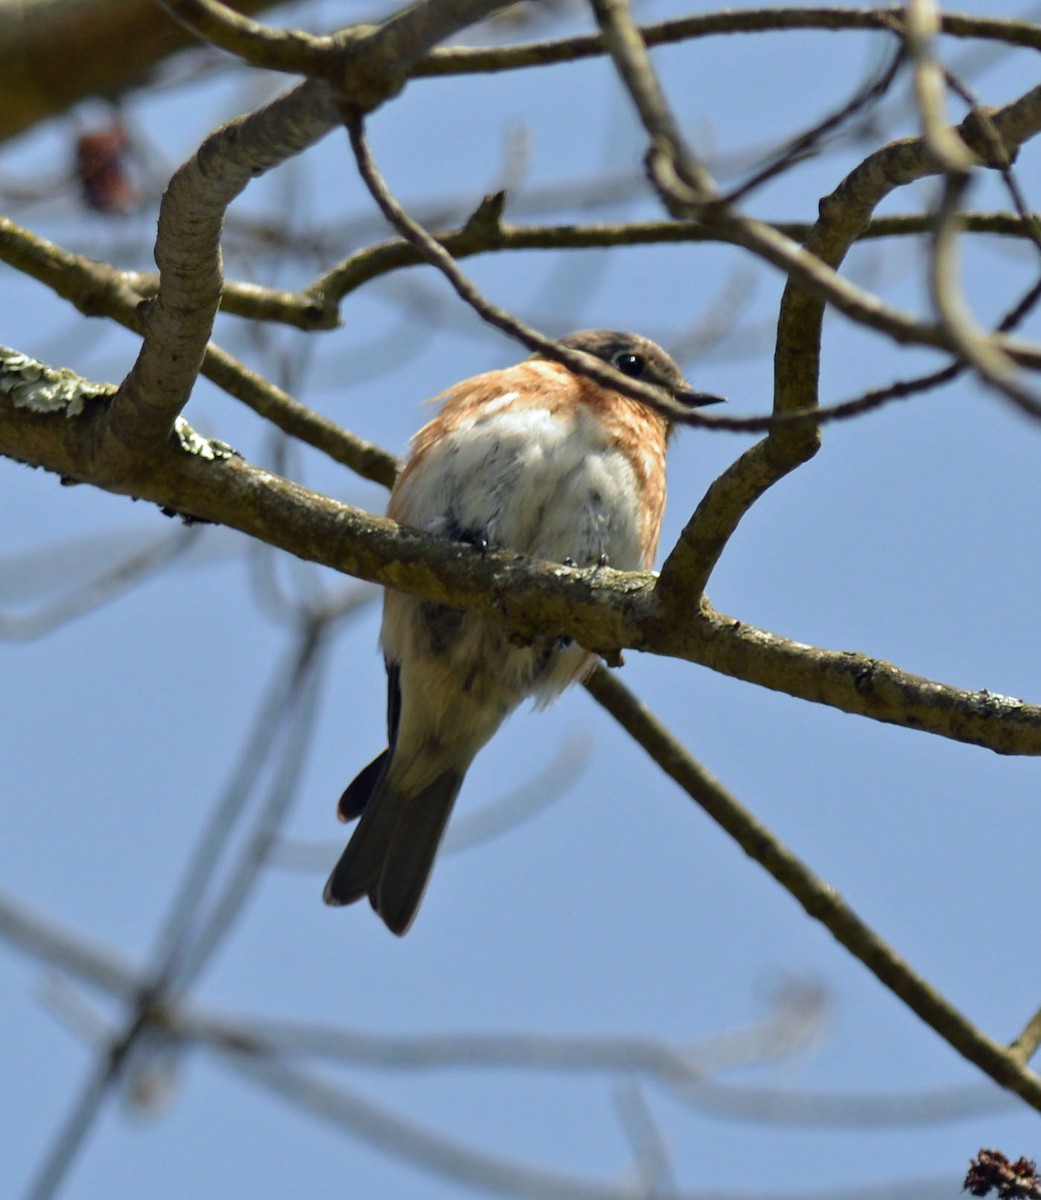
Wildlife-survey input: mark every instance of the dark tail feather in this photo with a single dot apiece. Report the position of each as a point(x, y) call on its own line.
point(409, 857)
point(392, 852)
point(362, 788)
point(362, 861)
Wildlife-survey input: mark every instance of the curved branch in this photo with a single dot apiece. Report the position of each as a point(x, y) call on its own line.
point(260, 45)
point(367, 66)
point(178, 321)
point(844, 216)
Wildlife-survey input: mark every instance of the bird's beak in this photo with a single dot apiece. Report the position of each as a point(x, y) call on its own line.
point(691, 399)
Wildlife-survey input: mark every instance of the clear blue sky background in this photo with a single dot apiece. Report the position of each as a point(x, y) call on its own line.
point(621, 908)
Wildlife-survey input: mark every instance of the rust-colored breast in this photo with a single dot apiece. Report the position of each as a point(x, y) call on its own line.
point(630, 427)
point(640, 433)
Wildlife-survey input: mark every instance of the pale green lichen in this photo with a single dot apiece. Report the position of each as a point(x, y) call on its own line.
point(34, 385)
point(993, 703)
point(194, 443)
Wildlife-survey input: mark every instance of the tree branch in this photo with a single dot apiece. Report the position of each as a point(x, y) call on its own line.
point(97, 289)
point(260, 45)
point(818, 898)
point(366, 67)
point(466, 60)
point(178, 321)
point(844, 216)
point(383, 258)
point(603, 609)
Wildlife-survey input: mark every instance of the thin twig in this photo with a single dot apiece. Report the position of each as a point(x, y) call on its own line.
point(275, 710)
point(434, 253)
point(384, 257)
point(652, 1159)
point(798, 148)
point(78, 1124)
point(103, 587)
point(470, 60)
point(298, 726)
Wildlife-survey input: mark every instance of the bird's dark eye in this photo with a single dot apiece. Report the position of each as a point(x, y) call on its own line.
point(629, 364)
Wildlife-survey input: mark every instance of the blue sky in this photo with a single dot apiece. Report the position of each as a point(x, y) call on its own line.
point(620, 908)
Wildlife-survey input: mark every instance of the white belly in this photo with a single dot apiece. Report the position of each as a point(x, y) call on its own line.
point(528, 480)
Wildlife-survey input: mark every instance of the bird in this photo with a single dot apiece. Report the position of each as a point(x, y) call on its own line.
point(532, 458)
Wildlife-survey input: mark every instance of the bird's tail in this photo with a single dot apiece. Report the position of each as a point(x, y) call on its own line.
point(392, 852)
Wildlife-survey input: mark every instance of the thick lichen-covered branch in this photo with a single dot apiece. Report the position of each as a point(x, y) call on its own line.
point(605, 610)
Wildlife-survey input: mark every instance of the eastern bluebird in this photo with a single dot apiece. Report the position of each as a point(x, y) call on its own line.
point(532, 458)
